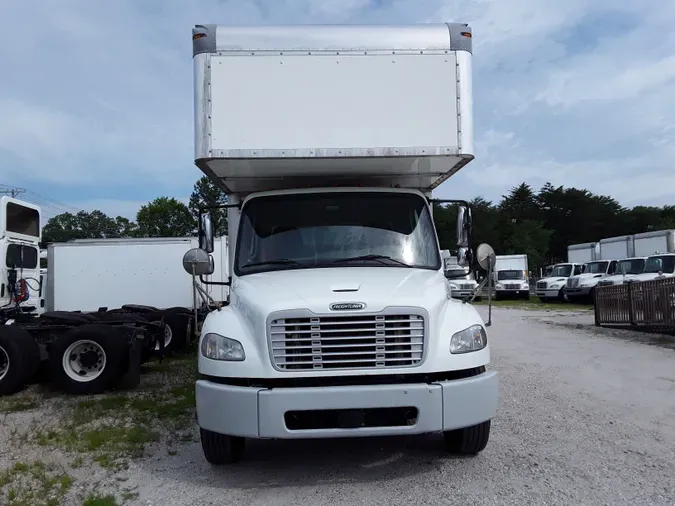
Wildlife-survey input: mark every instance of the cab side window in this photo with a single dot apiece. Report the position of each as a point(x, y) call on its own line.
point(578, 269)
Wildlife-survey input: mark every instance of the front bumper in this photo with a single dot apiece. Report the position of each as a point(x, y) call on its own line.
point(548, 293)
point(260, 412)
point(578, 291)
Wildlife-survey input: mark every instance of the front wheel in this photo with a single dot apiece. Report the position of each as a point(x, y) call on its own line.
point(220, 449)
point(469, 440)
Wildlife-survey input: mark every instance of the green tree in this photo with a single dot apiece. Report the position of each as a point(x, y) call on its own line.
point(83, 225)
point(165, 217)
point(207, 194)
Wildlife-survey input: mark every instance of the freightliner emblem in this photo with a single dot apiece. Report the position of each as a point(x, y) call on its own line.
point(347, 306)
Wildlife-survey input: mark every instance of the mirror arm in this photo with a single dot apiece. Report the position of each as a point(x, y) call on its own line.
point(216, 283)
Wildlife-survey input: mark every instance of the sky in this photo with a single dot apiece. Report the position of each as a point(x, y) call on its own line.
point(96, 97)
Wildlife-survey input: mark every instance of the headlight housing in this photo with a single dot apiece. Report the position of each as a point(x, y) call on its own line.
point(217, 347)
point(499, 286)
point(556, 285)
point(465, 341)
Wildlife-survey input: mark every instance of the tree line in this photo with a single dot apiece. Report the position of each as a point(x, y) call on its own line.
point(539, 223)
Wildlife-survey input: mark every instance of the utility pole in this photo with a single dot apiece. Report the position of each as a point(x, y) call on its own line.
point(12, 191)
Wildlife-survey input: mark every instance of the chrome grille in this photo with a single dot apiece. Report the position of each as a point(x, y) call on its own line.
point(512, 286)
point(572, 282)
point(466, 286)
point(346, 342)
point(541, 284)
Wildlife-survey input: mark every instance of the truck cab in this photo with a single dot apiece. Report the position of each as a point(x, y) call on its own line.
point(657, 266)
point(552, 287)
point(625, 271)
point(582, 286)
point(20, 235)
point(340, 320)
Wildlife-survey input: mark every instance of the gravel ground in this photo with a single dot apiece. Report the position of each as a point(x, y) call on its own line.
point(587, 417)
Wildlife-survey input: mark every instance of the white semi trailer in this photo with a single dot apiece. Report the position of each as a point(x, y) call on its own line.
point(340, 321)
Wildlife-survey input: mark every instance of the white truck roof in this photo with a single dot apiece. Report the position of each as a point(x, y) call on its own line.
point(300, 106)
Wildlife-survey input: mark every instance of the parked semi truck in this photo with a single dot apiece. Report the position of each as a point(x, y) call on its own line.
point(340, 321)
point(84, 352)
point(625, 271)
point(512, 277)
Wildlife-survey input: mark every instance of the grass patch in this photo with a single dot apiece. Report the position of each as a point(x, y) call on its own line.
point(35, 484)
point(116, 427)
point(100, 500)
point(534, 304)
point(17, 404)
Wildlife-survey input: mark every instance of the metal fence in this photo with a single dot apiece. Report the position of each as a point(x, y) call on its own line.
point(648, 304)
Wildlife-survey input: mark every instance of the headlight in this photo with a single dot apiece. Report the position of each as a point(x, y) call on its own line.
point(526, 285)
point(555, 285)
point(472, 339)
point(452, 286)
point(499, 286)
point(217, 347)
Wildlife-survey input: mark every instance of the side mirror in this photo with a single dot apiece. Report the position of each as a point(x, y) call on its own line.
point(463, 227)
point(486, 257)
point(198, 262)
point(206, 240)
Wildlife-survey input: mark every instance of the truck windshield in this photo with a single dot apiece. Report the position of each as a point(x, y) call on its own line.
point(511, 274)
point(633, 266)
point(561, 271)
point(660, 264)
point(360, 229)
point(20, 256)
point(596, 268)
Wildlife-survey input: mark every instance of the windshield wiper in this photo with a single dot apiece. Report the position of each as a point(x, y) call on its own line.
point(371, 257)
point(276, 261)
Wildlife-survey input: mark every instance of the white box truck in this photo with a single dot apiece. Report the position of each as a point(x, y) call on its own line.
point(512, 277)
point(461, 283)
point(617, 248)
point(329, 141)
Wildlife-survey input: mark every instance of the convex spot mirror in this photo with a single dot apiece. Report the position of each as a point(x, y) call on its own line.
point(485, 256)
point(206, 240)
point(198, 261)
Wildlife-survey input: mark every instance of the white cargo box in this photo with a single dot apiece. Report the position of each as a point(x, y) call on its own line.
point(92, 273)
point(583, 253)
point(616, 248)
point(653, 243)
point(285, 106)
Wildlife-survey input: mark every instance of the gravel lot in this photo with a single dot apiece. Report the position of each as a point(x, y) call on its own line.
point(587, 417)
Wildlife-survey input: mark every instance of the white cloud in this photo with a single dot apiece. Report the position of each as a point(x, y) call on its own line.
point(577, 92)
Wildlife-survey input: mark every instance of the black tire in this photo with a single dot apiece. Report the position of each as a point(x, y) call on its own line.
point(561, 295)
point(179, 325)
point(220, 449)
point(469, 440)
point(19, 359)
point(109, 339)
point(526, 296)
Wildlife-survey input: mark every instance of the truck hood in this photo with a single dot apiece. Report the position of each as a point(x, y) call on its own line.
point(648, 276)
point(316, 289)
point(618, 278)
point(554, 280)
